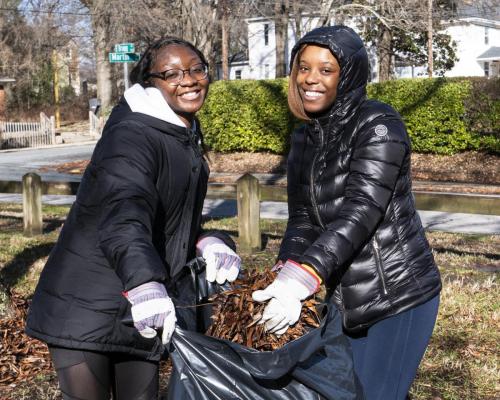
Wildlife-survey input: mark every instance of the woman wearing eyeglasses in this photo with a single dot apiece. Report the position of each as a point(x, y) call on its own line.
point(134, 225)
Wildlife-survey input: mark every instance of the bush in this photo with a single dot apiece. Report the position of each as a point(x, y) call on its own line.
point(247, 116)
point(443, 116)
point(483, 111)
point(435, 112)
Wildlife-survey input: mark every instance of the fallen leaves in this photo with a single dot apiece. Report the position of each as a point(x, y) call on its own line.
point(21, 357)
point(236, 316)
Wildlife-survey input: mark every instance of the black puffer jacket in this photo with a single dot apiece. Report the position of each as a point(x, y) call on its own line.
point(351, 211)
point(136, 219)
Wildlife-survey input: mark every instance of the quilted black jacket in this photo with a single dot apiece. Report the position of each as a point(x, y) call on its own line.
point(352, 215)
point(136, 219)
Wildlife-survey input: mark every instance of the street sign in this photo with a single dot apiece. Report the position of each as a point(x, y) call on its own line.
point(124, 48)
point(123, 57)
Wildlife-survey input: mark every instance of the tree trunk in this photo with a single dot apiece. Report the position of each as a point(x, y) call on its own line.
point(297, 18)
point(100, 23)
point(384, 50)
point(430, 63)
point(281, 30)
point(225, 47)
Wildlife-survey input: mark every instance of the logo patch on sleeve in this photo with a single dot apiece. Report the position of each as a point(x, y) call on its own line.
point(381, 130)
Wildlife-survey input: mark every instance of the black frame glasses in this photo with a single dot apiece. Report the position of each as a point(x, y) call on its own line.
point(174, 76)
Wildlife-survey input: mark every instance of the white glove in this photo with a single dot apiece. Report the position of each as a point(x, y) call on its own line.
point(222, 262)
point(293, 284)
point(152, 309)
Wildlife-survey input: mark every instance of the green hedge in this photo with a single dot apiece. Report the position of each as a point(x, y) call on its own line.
point(247, 116)
point(443, 116)
point(437, 113)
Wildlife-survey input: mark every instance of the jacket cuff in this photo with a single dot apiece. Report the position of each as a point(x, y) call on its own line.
point(317, 267)
point(219, 235)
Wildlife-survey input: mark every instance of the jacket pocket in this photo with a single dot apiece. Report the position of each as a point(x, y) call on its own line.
point(379, 264)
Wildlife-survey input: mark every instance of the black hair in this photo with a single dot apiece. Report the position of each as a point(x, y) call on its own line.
point(140, 72)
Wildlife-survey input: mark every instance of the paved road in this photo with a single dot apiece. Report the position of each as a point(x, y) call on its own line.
point(14, 164)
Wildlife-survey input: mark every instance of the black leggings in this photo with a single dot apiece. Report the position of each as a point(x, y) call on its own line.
point(89, 375)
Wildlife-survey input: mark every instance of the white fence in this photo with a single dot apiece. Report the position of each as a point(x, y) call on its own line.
point(27, 134)
point(96, 124)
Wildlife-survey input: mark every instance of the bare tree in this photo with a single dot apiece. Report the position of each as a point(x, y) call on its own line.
point(281, 17)
point(101, 26)
point(387, 24)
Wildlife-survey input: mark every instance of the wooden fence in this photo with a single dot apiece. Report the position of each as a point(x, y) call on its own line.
point(248, 192)
point(27, 134)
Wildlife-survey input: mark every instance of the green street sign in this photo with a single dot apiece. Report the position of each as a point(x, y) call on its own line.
point(124, 48)
point(123, 57)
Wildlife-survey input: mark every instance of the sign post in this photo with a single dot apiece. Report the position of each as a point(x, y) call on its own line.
point(124, 53)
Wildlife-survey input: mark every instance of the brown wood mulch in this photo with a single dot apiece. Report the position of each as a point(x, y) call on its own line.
point(21, 357)
point(236, 316)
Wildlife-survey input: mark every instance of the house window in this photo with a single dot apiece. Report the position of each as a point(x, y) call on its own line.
point(486, 35)
point(266, 71)
point(266, 34)
point(237, 74)
point(486, 69)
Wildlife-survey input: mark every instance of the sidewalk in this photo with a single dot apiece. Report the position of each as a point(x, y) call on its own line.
point(432, 220)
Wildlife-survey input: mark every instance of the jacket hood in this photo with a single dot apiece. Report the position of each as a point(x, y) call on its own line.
point(348, 49)
point(151, 102)
point(149, 107)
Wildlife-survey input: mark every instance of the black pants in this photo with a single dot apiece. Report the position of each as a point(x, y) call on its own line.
point(89, 375)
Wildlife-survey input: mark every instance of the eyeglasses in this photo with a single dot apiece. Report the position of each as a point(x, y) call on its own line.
point(175, 76)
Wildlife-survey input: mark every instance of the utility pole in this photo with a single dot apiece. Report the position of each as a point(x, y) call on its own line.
point(225, 41)
point(430, 65)
point(56, 88)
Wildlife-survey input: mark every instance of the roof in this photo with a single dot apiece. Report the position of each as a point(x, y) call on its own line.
point(492, 54)
point(490, 23)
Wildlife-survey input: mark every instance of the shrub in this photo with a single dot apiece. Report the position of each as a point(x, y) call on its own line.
point(443, 116)
point(433, 110)
point(483, 112)
point(247, 116)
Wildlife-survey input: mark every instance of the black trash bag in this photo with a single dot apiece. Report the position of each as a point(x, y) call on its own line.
point(316, 366)
point(190, 293)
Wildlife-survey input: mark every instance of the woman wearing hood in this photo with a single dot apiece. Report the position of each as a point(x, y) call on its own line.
point(353, 226)
point(134, 225)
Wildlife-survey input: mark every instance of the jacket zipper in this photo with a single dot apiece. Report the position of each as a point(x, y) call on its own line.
point(314, 204)
point(378, 262)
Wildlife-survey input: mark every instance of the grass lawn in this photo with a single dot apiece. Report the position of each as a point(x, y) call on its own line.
point(462, 361)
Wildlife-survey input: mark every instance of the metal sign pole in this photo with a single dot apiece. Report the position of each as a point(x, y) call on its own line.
point(125, 75)
point(124, 53)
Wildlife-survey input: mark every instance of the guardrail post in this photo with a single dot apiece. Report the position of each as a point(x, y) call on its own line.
point(32, 204)
point(248, 195)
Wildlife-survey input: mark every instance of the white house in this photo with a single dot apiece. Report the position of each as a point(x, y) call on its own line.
point(477, 40)
point(69, 66)
point(478, 47)
point(261, 63)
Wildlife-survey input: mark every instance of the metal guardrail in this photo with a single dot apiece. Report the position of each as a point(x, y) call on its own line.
point(249, 193)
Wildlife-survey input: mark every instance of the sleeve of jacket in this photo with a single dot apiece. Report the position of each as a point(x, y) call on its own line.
point(300, 231)
point(228, 241)
point(379, 152)
point(127, 168)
